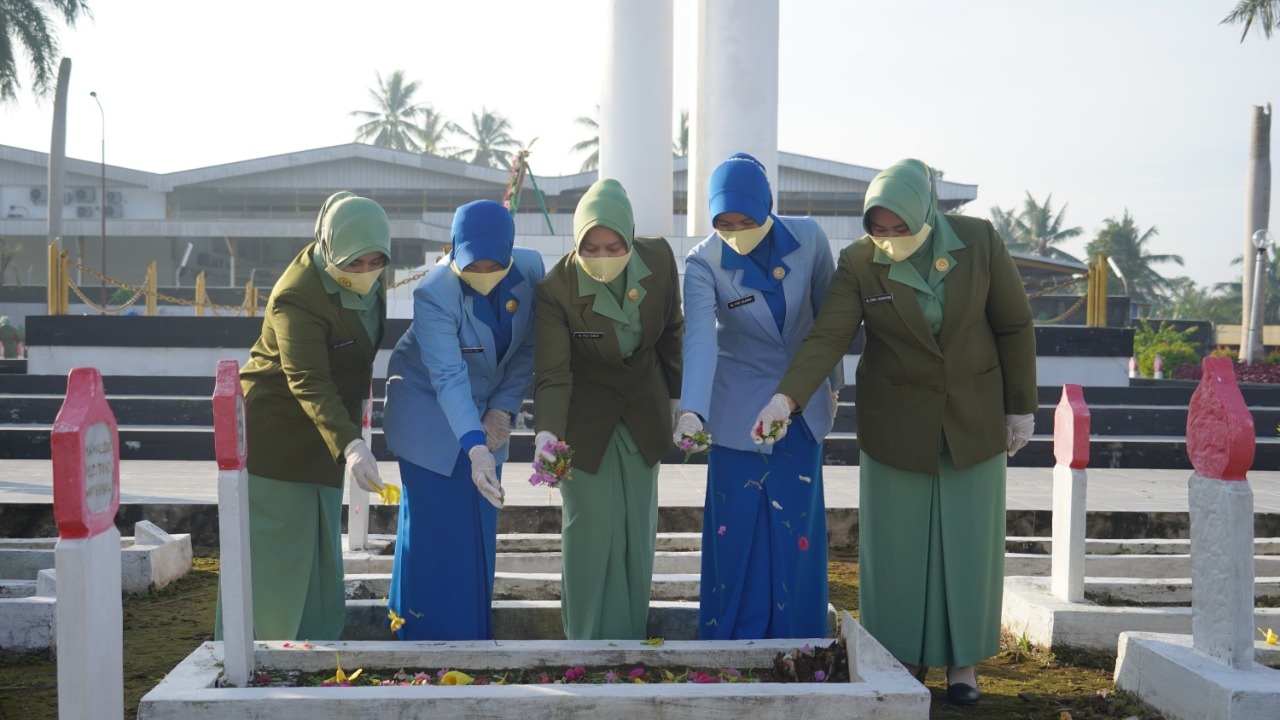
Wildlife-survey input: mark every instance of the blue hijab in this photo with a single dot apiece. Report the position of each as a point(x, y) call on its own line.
point(740, 185)
point(483, 230)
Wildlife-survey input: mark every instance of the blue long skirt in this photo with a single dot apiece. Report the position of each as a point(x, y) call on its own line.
point(764, 542)
point(446, 548)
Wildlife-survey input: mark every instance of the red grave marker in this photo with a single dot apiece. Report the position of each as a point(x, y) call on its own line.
point(1220, 433)
point(229, 442)
point(1071, 429)
point(85, 445)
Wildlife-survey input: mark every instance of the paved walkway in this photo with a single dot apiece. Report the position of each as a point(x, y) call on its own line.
point(186, 482)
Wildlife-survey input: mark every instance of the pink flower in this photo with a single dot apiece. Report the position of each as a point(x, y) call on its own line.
point(697, 676)
point(543, 679)
point(574, 673)
point(721, 530)
point(804, 543)
point(819, 676)
point(611, 677)
point(806, 650)
point(636, 673)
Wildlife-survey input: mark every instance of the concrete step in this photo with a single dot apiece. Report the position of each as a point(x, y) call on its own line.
point(527, 586)
point(1160, 591)
point(1043, 546)
point(1128, 566)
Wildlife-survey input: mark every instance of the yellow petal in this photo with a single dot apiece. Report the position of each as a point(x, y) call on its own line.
point(654, 642)
point(453, 677)
point(390, 494)
point(355, 675)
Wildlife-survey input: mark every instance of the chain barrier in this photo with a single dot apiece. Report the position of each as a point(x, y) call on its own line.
point(411, 278)
point(1065, 283)
point(1066, 314)
point(105, 310)
point(142, 291)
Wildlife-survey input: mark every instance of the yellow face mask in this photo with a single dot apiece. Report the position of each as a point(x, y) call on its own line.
point(901, 248)
point(481, 282)
point(604, 269)
point(744, 241)
point(358, 283)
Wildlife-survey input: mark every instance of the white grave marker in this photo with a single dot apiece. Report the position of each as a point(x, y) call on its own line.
point(1071, 450)
point(236, 577)
point(1221, 444)
point(358, 512)
point(86, 493)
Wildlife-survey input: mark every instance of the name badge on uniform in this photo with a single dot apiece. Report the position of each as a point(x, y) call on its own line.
point(342, 343)
point(473, 350)
point(741, 301)
point(587, 335)
point(874, 299)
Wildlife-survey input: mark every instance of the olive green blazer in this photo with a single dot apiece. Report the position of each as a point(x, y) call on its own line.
point(911, 389)
point(306, 378)
point(583, 386)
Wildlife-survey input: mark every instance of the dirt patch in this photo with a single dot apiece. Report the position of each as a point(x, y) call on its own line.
point(163, 627)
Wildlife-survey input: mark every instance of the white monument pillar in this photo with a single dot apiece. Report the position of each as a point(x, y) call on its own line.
point(635, 108)
point(358, 497)
point(236, 576)
point(85, 447)
point(1071, 451)
point(735, 105)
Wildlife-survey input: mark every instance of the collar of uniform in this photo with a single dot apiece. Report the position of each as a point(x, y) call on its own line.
point(604, 303)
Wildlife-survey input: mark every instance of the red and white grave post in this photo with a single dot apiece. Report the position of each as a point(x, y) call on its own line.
point(86, 493)
point(236, 578)
point(1220, 444)
point(1071, 451)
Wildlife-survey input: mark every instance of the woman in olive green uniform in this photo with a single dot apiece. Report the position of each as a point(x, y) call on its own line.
point(607, 361)
point(304, 385)
point(946, 387)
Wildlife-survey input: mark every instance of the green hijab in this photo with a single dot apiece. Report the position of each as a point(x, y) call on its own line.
point(605, 203)
point(909, 189)
point(347, 227)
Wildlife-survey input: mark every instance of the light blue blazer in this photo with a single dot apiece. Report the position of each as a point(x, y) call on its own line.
point(444, 373)
point(734, 355)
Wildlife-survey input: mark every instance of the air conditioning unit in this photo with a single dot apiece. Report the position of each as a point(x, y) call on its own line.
point(84, 211)
point(115, 210)
point(39, 195)
point(114, 197)
point(86, 195)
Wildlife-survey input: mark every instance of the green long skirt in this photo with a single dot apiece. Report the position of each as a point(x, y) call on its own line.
point(609, 525)
point(931, 559)
point(295, 546)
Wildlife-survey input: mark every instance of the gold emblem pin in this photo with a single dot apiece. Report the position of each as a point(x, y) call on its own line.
point(345, 282)
point(779, 273)
point(633, 295)
point(941, 264)
point(512, 305)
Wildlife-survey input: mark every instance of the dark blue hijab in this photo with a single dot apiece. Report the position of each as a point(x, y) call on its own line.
point(483, 230)
point(739, 185)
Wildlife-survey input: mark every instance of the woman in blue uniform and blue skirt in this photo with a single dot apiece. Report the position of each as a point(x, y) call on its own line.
point(453, 382)
point(751, 292)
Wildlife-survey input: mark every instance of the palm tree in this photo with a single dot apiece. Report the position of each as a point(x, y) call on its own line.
point(490, 134)
point(1039, 230)
point(431, 130)
point(1125, 243)
point(394, 124)
point(26, 22)
point(1006, 224)
point(1231, 292)
point(591, 143)
point(1265, 12)
point(681, 146)
point(1188, 301)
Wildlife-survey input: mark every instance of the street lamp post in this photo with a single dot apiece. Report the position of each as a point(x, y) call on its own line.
point(1261, 239)
point(102, 199)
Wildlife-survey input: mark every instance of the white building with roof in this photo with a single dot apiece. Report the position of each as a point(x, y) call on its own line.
point(246, 220)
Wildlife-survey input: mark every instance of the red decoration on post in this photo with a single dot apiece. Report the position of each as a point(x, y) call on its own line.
point(230, 446)
point(1220, 434)
point(1071, 429)
point(86, 459)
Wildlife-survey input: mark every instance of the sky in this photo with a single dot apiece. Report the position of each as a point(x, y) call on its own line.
point(1108, 105)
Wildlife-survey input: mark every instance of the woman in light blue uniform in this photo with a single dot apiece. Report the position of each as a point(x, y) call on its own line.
point(453, 382)
point(751, 292)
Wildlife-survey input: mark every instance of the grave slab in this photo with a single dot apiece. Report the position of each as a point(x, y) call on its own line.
point(1165, 672)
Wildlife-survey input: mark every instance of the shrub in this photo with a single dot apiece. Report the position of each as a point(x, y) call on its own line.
point(1223, 351)
point(1173, 346)
point(1272, 358)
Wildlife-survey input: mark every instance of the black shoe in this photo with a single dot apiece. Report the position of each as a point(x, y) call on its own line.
point(922, 673)
point(961, 694)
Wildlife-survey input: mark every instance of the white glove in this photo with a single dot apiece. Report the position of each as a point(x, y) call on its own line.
point(835, 407)
point(497, 428)
point(688, 424)
point(484, 473)
point(1017, 431)
point(675, 406)
point(540, 442)
point(777, 411)
point(361, 466)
